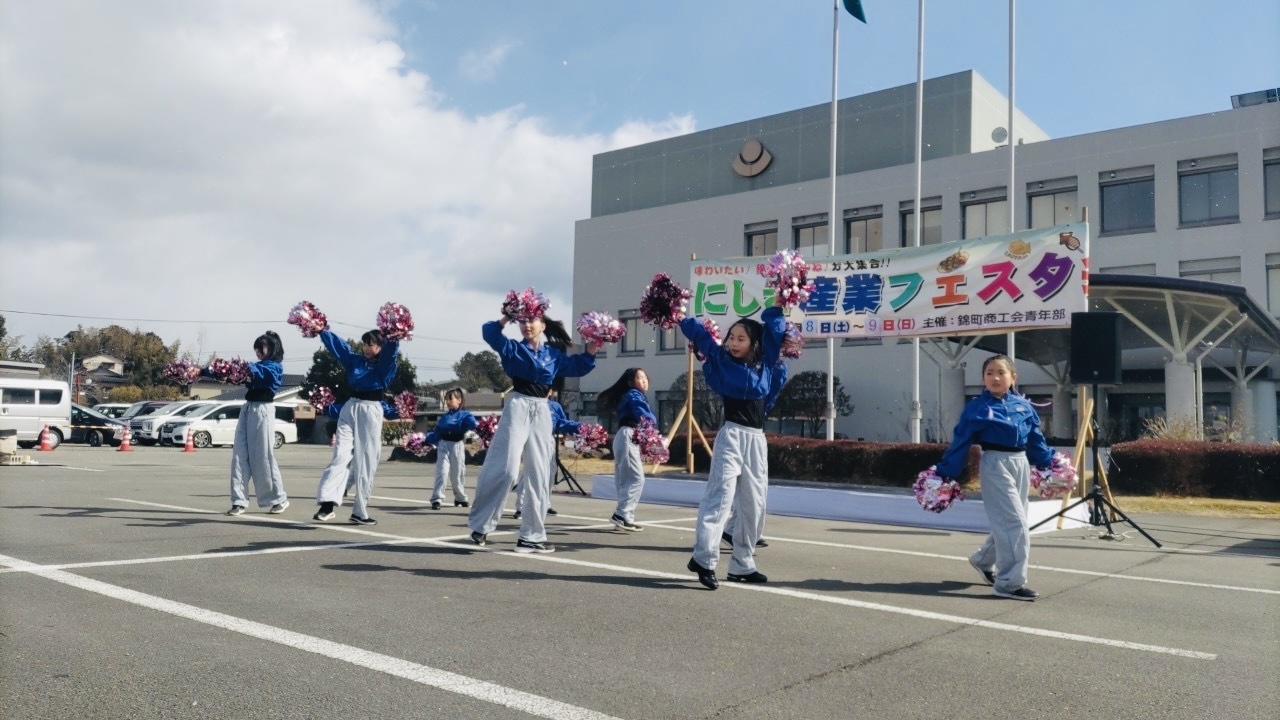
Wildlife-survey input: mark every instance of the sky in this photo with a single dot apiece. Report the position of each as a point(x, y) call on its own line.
point(195, 168)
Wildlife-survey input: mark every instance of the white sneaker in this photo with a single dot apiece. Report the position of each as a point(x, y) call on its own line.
point(279, 508)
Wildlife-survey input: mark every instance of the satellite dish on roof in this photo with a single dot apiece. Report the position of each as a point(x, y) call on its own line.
point(999, 135)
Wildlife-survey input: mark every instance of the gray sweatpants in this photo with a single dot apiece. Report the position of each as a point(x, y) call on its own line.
point(253, 456)
point(451, 459)
point(359, 443)
point(628, 474)
point(739, 479)
point(524, 434)
point(1006, 480)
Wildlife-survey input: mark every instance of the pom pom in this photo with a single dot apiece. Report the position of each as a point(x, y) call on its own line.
point(600, 328)
point(664, 303)
point(321, 398)
point(589, 438)
point(234, 371)
point(934, 492)
point(653, 449)
point(486, 428)
point(395, 322)
point(1057, 481)
point(713, 330)
point(406, 405)
point(792, 341)
point(788, 274)
point(525, 305)
point(308, 319)
point(183, 371)
point(416, 443)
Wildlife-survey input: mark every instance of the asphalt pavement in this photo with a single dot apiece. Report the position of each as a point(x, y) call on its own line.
point(126, 593)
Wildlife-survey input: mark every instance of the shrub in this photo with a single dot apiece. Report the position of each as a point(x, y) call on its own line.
point(1196, 468)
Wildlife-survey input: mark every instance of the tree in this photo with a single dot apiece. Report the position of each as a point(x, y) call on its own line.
point(9, 345)
point(804, 398)
point(708, 408)
point(326, 370)
point(481, 371)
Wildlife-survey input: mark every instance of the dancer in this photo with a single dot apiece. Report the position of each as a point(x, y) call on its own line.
point(525, 431)
point(769, 402)
point(1004, 423)
point(253, 449)
point(626, 398)
point(333, 411)
point(561, 425)
point(745, 371)
point(451, 451)
point(359, 431)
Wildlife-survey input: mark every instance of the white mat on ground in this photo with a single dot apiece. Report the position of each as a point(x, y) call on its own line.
point(855, 504)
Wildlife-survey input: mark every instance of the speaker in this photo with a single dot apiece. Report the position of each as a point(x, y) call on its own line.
point(1095, 348)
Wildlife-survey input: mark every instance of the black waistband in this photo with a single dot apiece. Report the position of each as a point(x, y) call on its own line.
point(1002, 448)
point(453, 437)
point(367, 394)
point(260, 395)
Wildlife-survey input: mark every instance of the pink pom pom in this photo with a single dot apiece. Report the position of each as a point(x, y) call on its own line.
point(525, 305)
point(395, 322)
point(321, 398)
point(590, 437)
point(664, 302)
point(788, 274)
point(234, 371)
point(934, 492)
point(1057, 481)
point(792, 341)
point(600, 328)
point(653, 449)
point(308, 319)
point(406, 405)
point(486, 428)
point(417, 444)
point(713, 330)
point(182, 371)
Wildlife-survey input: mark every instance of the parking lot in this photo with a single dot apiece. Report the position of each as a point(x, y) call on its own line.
point(126, 593)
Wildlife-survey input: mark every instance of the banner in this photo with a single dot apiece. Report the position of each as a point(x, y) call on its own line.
point(995, 284)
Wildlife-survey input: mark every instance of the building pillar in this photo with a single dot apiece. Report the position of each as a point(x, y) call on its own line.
point(950, 400)
point(1264, 411)
point(1180, 393)
point(1242, 410)
point(1063, 423)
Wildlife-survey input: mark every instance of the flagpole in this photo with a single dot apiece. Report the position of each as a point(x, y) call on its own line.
point(831, 218)
point(1013, 195)
point(916, 414)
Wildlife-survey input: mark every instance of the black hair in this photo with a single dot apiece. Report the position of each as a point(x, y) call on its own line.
point(1002, 358)
point(459, 393)
point(755, 332)
point(372, 337)
point(608, 398)
point(270, 344)
point(557, 336)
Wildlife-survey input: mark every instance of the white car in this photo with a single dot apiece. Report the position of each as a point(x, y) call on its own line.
point(146, 428)
point(216, 425)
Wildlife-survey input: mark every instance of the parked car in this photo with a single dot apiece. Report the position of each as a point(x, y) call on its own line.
point(216, 425)
point(95, 428)
point(28, 405)
point(146, 428)
point(112, 410)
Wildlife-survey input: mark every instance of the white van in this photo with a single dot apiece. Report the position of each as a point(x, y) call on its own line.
point(28, 405)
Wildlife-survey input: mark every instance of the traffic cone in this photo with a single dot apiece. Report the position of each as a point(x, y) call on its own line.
point(45, 445)
point(190, 446)
point(124, 441)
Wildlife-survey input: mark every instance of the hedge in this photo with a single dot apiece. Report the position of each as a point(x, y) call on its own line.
point(1196, 469)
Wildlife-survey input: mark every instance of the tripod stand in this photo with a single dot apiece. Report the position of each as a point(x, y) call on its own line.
point(1098, 503)
point(563, 475)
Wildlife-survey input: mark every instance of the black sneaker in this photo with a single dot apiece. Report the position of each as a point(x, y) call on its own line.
point(1022, 593)
point(630, 526)
point(988, 577)
point(324, 513)
point(552, 511)
point(461, 503)
point(726, 537)
point(753, 577)
point(762, 543)
point(478, 538)
point(435, 504)
point(705, 576)
point(526, 546)
point(235, 510)
point(515, 515)
point(618, 521)
point(357, 520)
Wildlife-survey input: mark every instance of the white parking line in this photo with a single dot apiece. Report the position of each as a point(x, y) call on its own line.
point(421, 674)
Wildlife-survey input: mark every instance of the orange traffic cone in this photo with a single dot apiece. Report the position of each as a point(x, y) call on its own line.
point(190, 446)
point(45, 445)
point(124, 441)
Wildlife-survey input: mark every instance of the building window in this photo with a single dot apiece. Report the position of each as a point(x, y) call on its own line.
point(1048, 206)
point(1208, 191)
point(982, 218)
point(809, 235)
point(1223, 270)
point(930, 231)
point(670, 340)
point(630, 344)
point(1128, 205)
point(1271, 182)
point(761, 238)
point(1143, 269)
point(1273, 283)
point(864, 230)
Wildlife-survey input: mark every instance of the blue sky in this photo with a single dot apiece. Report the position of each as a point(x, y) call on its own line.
point(194, 169)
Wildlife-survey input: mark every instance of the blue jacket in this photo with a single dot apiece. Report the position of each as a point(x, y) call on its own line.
point(634, 407)
point(388, 410)
point(363, 374)
point(560, 422)
point(733, 378)
point(1010, 421)
point(265, 375)
point(541, 367)
point(772, 398)
point(455, 422)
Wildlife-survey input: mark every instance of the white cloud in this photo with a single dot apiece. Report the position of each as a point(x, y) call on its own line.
point(200, 160)
point(483, 66)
